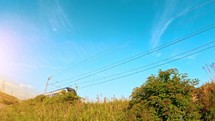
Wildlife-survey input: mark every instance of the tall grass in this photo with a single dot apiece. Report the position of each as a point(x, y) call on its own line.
point(7, 99)
point(108, 110)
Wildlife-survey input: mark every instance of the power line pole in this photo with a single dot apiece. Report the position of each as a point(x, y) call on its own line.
point(47, 83)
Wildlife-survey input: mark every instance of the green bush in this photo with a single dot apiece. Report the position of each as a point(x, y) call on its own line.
point(40, 98)
point(62, 97)
point(205, 96)
point(167, 96)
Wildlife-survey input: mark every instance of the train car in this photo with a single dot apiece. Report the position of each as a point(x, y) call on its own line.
point(56, 92)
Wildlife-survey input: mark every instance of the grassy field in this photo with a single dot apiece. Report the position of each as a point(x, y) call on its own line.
point(113, 110)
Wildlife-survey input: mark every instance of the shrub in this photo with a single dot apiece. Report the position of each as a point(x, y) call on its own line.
point(62, 97)
point(206, 98)
point(167, 96)
point(39, 98)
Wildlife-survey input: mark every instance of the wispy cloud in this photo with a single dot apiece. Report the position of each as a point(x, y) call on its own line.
point(19, 90)
point(28, 86)
point(168, 16)
point(164, 21)
point(202, 4)
point(57, 17)
point(158, 32)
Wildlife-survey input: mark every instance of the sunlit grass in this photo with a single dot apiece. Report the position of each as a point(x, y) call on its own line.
point(7, 99)
point(107, 110)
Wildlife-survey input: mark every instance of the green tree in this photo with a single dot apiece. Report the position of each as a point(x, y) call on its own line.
point(168, 96)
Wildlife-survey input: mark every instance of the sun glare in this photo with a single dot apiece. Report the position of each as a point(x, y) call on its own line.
point(8, 46)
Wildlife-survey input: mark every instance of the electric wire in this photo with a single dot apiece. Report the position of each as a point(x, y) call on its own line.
point(151, 64)
point(100, 53)
point(142, 54)
point(110, 49)
point(147, 68)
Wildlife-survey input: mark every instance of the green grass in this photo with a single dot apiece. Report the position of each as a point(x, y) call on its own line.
point(31, 110)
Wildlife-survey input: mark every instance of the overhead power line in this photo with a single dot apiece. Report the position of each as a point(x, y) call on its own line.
point(110, 49)
point(149, 65)
point(155, 66)
point(140, 55)
point(99, 54)
point(152, 64)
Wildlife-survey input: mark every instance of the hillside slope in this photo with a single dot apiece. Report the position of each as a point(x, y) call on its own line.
point(2, 105)
point(6, 99)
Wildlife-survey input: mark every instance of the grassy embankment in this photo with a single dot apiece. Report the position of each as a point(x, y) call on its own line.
point(47, 110)
point(7, 99)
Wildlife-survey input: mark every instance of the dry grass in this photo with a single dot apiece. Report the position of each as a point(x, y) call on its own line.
point(7, 99)
point(113, 110)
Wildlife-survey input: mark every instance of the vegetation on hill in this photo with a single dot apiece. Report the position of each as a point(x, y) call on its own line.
point(205, 96)
point(167, 96)
point(65, 107)
point(7, 99)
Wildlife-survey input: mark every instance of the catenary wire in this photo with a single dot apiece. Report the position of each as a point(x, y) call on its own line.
point(140, 55)
point(151, 64)
point(147, 68)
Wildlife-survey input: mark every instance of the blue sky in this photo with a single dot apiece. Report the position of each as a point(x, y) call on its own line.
point(43, 38)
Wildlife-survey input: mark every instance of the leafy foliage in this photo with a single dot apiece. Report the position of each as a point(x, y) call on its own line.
point(63, 96)
point(205, 96)
point(167, 96)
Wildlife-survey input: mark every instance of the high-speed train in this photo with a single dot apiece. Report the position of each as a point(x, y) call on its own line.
point(55, 92)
